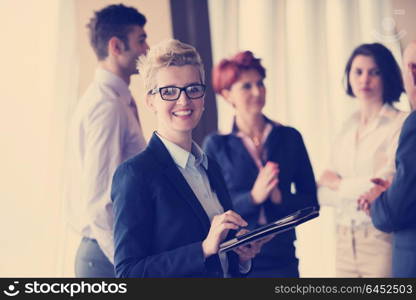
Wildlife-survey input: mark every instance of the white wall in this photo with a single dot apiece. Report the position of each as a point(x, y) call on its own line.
point(29, 195)
point(46, 62)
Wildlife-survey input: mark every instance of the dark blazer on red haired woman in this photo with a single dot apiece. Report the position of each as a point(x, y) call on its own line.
point(285, 146)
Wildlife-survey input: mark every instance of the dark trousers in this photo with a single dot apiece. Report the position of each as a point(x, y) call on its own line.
point(90, 261)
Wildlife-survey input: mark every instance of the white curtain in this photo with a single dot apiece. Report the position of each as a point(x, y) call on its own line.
point(67, 86)
point(37, 87)
point(304, 45)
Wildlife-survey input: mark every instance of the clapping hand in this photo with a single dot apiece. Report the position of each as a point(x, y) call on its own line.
point(266, 182)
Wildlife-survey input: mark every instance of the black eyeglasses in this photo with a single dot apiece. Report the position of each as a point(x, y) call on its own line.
point(172, 93)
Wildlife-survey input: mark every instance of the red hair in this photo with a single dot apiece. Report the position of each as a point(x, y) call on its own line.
point(227, 72)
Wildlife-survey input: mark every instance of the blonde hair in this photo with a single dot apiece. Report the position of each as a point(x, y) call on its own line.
point(165, 54)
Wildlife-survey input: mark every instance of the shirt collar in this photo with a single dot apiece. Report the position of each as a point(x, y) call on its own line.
point(387, 112)
point(118, 85)
point(183, 158)
point(266, 131)
point(235, 130)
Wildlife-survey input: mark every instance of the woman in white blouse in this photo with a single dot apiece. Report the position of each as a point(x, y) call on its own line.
point(364, 149)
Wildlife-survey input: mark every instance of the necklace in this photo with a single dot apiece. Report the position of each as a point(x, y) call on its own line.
point(256, 140)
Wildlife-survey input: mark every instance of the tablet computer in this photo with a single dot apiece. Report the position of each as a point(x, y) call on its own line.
point(276, 227)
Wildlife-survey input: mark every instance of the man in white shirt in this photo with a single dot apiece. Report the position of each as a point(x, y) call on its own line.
point(105, 130)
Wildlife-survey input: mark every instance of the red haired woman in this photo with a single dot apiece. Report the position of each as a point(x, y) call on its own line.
point(261, 161)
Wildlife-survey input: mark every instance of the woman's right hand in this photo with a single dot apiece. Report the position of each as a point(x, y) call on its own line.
point(266, 181)
point(220, 226)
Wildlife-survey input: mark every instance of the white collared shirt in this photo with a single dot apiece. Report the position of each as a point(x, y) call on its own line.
point(358, 161)
point(192, 165)
point(104, 132)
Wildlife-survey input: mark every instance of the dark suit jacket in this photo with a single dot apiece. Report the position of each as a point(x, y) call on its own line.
point(285, 146)
point(159, 224)
point(395, 210)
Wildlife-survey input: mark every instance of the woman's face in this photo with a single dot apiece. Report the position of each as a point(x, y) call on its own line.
point(176, 118)
point(365, 79)
point(248, 94)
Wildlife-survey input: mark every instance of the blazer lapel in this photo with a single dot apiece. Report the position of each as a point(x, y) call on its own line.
point(174, 176)
point(182, 187)
point(240, 154)
point(272, 142)
point(243, 155)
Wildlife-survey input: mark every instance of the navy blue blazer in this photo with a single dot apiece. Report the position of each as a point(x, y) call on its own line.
point(159, 224)
point(395, 210)
point(285, 146)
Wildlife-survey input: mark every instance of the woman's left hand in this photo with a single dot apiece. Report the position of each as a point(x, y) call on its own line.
point(249, 251)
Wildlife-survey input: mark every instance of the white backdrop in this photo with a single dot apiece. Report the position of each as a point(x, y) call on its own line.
point(31, 138)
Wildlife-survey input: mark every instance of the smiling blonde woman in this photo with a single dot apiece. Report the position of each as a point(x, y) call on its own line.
point(171, 205)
